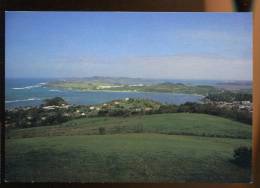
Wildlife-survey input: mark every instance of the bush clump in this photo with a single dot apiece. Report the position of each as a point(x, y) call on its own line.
point(56, 101)
point(102, 130)
point(242, 156)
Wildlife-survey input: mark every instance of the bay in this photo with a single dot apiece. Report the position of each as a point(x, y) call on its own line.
point(32, 92)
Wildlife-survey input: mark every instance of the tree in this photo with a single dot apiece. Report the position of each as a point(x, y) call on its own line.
point(56, 101)
point(242, 156)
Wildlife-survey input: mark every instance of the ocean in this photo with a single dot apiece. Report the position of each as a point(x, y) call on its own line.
point(32, 92)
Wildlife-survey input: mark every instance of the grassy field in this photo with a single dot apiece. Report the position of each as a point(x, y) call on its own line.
point(155, 148)
point(176, 123)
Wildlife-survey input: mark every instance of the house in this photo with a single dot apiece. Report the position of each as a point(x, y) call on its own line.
point(49, 107)
point(246, 102)
point(241, 107)
point(65, 106)
point(147, 109)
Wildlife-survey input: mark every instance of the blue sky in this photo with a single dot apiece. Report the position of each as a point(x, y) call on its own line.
point(149, 45)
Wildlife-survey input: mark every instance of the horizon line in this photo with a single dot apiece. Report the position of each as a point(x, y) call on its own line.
point(205, 79)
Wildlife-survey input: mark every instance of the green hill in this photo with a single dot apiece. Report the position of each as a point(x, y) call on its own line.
point(176, 123)
point(156, 148)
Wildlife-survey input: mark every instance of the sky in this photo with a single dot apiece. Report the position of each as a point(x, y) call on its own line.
point(212, 46)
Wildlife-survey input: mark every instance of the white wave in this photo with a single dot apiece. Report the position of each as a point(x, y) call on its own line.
point(43, 83)
point(55, 90)
point(30, 87)
point(23, 100)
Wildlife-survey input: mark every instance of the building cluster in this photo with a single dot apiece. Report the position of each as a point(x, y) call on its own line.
point(241, 105)
point(56, 107)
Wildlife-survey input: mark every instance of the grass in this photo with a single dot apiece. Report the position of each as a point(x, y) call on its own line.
point(163, 150)
point(124, 158)
point(176, 123)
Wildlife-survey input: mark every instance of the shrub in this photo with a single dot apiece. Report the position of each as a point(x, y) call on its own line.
point(167, 109)
point(103, 112)
point(102, 130)
point(242, 156)
point(116, 112)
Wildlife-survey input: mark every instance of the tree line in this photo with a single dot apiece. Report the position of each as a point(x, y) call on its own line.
point(229, 96)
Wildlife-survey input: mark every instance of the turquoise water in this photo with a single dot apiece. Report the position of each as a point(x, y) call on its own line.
point(32, 92)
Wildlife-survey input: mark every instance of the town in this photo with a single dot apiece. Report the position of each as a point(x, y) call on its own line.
point(57, 110)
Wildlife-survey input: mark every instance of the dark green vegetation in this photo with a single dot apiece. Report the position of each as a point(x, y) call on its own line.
point(180, 147)
point(243, 156)
point(56, 101)
point(32, 117)
point(229, 111)
point(229, 96)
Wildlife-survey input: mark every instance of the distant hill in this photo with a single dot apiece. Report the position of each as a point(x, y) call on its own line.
point(150, 85)
point(245, 86)
point(146, 81)
point(109, 84)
